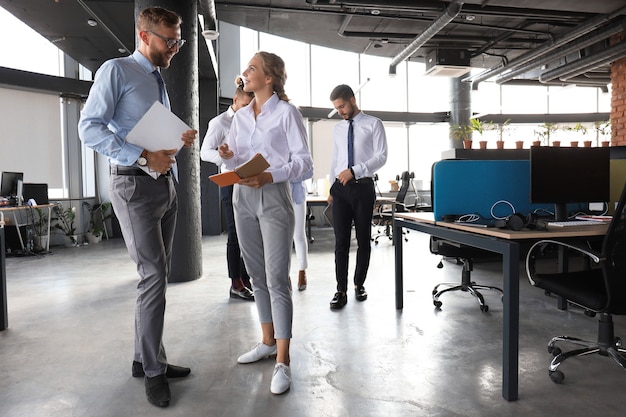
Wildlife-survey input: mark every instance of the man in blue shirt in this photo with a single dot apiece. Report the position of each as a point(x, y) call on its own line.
point(123, 91)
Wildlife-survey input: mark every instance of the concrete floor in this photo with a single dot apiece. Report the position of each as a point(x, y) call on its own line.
point(69, 345)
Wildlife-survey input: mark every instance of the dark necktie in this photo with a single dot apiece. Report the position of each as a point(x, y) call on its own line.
point(166, 102)
point(350, 145)
point(162, 93)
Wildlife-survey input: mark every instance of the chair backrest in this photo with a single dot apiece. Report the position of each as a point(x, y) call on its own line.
point(614, 251)
point(405, 180)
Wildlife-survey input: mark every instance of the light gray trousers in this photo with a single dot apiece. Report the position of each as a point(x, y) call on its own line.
point(264, 219)
point(146, 210)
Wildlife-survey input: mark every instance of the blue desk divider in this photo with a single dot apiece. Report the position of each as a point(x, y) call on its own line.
point(474, 186)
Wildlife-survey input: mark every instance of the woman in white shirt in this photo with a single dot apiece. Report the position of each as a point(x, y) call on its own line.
point(264, 215)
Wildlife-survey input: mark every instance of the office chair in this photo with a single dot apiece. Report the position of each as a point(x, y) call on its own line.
point(463, 255)
point(600, 289)
point(383, 211)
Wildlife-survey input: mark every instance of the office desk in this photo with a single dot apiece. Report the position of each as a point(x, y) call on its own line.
point(502, 241)
point(4, 321)
point(17, 223)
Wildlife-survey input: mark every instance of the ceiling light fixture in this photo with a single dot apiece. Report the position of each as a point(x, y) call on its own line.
point(210, 35)
point(92, 22)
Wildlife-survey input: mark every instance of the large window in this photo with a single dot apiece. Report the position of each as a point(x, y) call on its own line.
point(27, 50)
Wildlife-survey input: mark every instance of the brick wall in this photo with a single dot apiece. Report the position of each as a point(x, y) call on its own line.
point(618, 98)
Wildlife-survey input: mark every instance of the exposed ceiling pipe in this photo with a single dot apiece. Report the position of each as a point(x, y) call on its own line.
point(577, 45)
point(209, 13)
point(585, 64)
point(446, 17)
point(579, 31)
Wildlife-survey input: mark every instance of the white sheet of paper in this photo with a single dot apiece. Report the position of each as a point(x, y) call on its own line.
point(158, 129)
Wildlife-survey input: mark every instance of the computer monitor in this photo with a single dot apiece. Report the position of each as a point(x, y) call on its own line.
point(8, 184)
point(566, 175)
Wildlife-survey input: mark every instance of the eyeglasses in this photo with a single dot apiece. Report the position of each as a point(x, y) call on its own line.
point(169, 42)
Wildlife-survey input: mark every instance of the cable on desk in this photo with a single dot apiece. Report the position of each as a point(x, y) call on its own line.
point(502, 202)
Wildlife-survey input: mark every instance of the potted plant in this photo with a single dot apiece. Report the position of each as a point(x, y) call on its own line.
point(64, 221)
point(502, 128)
point(578, 128)
point(462, 133)
point(98, 215)
point(545, 131)
point(603, 129)
point(480, 127)
point(40, 228)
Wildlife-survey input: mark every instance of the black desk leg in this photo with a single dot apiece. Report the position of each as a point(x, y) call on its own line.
point(4, 316)
point(397, 244)
point(510, 331)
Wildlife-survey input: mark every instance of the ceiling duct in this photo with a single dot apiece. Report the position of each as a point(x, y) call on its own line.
point(575, 46)
point(584, 28)
point(446, 17)
point(583, 65)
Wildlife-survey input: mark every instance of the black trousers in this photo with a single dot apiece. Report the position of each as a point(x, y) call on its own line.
point(353, 202)
point(236, 267)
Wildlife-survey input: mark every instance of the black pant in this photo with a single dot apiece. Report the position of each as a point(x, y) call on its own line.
point(352, 202)
point(236, 267)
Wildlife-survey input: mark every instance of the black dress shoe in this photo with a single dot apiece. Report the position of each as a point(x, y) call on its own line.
point(339, 301)
point(360, 294)
point(244, 294)
point(173, 371)
point(158, 390)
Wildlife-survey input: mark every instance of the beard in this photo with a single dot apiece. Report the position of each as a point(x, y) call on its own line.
point(161, 60)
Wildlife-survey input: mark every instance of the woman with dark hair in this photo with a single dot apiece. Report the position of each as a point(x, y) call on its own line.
point(216, 134)
point(273, 127)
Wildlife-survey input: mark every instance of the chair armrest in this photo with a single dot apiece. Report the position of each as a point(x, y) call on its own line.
point(530, 267)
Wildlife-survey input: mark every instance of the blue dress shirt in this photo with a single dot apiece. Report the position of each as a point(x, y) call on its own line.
point(123, 91)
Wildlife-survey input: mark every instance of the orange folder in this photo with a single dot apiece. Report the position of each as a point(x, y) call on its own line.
point(254, 166)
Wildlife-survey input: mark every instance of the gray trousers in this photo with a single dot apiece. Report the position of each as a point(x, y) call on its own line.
point(146, 210)
point(265, 221)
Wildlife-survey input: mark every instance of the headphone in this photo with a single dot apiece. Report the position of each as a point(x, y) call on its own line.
point(517, 221)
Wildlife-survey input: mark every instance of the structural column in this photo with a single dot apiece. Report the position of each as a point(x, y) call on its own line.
point(181, 79)
point(460, 106)
point(618, 97)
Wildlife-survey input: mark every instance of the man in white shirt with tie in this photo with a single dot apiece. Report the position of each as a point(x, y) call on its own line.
point(359, 150)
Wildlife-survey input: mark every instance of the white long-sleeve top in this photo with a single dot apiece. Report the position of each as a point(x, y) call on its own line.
point(370, 146)
point(277, 133)
point(216, 134)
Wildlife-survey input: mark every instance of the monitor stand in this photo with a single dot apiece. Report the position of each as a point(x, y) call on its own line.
point(560, 212)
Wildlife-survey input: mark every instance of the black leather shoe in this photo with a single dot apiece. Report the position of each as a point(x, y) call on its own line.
point(244, 294)
point(360, 294)
point(158, 390)
point(339, 301)
point(173, 371)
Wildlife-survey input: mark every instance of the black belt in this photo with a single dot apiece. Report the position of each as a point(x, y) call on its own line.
point(364, 180)
point(132, 171)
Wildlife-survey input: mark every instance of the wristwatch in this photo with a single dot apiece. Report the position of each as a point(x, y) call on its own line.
point(142, 161)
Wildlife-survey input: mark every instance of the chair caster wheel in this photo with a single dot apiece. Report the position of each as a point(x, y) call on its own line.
point(556, 376)
point(437, 304)
point(484, 308)
point(555, 351)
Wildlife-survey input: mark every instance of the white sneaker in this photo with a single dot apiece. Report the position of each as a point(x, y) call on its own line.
point(281, 379)
point(258, 352)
